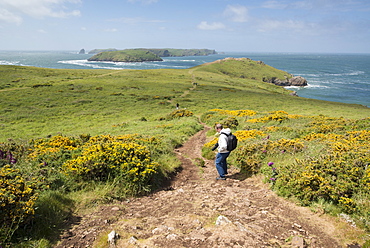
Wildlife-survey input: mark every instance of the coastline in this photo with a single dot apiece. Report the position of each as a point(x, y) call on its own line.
point(330, 76)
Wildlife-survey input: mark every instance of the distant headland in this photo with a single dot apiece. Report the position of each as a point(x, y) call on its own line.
point(143, 54)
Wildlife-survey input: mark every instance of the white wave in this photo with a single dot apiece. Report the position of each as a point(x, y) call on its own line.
point(310, 75)
point(87, 63)
point(292, 87)
point(352, 73)
point(332, 82)
point(4, 62)
point(315, 86)
point(308, 86)
point(324, 74)
point(355, 73)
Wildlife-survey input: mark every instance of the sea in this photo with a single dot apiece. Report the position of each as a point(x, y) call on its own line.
point(331, 77)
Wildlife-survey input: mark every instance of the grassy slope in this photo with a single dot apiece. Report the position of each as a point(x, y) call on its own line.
point(37, 102)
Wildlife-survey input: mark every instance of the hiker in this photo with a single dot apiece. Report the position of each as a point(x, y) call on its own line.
point(223, 153)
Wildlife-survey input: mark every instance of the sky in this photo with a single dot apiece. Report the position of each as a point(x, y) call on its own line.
point(312, 26)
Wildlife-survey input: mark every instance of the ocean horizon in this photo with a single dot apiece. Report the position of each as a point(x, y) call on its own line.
point(337, 77)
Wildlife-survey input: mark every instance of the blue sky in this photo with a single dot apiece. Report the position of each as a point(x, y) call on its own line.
point(333, 26)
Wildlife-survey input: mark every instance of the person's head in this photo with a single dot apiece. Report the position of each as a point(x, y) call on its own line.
point(218, 127)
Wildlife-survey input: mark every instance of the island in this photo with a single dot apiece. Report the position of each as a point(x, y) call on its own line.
point(144, 54)
point(128, 55)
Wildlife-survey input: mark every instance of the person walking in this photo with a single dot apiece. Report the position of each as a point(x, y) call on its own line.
point(223, 153)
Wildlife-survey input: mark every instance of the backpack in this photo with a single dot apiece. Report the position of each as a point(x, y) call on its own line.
point(232, 141)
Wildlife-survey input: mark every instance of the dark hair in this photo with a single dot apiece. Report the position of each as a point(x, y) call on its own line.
point(218, 126)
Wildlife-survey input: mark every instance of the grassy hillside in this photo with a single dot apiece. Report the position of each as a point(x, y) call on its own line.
point(37, 102)
point(72, 139)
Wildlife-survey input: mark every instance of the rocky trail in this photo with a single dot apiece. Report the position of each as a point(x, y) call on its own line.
point(198, 211)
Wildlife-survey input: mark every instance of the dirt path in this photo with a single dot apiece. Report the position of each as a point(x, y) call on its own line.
point(198, 211)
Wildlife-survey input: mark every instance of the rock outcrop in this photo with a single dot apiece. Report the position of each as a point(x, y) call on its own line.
point(298, 81)
point(294, 81)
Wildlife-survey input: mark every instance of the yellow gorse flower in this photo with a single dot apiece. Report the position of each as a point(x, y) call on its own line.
point(238, 113)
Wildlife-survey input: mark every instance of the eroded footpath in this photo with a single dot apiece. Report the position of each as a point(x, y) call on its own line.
point(198, 211)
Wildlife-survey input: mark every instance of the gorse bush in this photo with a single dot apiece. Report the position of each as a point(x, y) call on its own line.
point(237, 113)
point(55, 150)
point(178, 113)
point(100, 158)
point(131, 162)
point(17, 199)
point(278, 116)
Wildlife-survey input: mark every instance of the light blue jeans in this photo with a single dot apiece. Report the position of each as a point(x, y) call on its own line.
point(221, 164)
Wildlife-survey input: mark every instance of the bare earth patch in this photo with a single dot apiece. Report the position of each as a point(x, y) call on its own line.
point(198, 211)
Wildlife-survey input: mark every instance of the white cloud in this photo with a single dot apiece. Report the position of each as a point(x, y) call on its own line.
point(213, 26)
point(13, 10)
point(288, 26)
point(111, 30)
point(7, 16)
point(236, 13)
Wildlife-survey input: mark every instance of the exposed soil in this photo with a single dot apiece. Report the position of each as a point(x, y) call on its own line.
point(198, 211)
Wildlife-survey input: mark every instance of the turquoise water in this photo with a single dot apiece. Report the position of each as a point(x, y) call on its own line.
point(332, 77)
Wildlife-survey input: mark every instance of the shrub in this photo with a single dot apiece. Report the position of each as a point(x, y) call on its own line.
point(17, 199)
point(54, 151)
point(238, 113)
point(230, 122)
point(284, 145)
point(278, 116)
point(249, 158)
point(178, 113)
point(129, 161)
